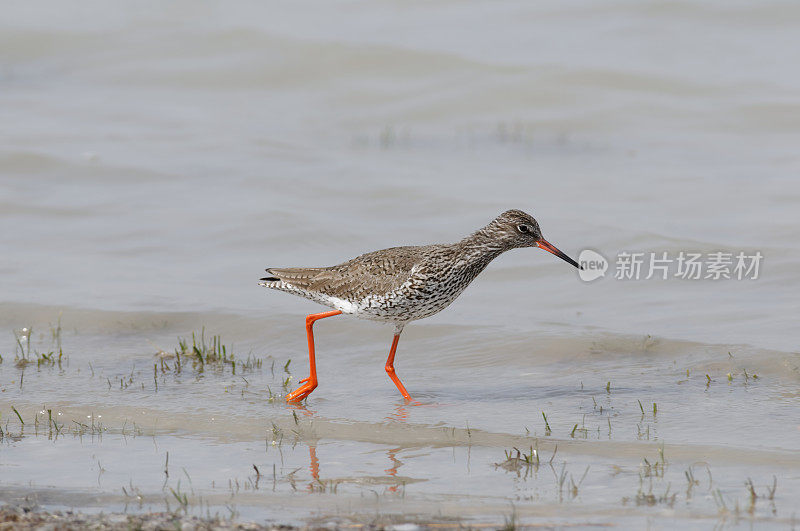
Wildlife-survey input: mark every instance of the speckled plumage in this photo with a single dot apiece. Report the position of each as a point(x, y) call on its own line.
point(403, 284)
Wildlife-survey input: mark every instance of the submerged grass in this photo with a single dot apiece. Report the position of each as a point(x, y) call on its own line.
point(24, 354)
point(54, 429)
point(214, 353)
point(547, 430)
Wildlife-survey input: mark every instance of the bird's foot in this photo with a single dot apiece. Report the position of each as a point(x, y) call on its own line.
point(303, 391)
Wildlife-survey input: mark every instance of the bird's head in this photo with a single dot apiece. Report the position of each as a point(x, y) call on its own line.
point(515, 228)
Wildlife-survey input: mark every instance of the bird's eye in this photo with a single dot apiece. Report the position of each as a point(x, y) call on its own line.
point(524, 229)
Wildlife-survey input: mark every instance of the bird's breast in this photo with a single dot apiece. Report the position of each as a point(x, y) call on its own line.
point(422, 295)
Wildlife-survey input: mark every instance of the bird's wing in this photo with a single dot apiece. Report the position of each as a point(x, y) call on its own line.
point(378, 272)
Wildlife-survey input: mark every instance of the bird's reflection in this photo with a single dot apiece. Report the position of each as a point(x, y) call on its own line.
point(400, 414)
point(402, 411)
point(317, 485)
point(392, 471)
point(295, 406)
point(314, 466)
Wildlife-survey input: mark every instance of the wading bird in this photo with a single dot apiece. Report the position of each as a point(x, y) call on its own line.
point(403, 284)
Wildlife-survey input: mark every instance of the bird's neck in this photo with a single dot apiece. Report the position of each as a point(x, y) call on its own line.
point(482, 246)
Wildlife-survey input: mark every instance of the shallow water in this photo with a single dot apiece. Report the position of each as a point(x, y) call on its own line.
point(153, 160)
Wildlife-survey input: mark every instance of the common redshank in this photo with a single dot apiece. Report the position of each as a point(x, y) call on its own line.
point(403, 284)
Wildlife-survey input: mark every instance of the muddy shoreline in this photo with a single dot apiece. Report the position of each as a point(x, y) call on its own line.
point(16, 518)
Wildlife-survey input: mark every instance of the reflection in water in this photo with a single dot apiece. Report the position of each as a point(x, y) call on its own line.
point(401, 412)
point(314, 466)
point(392, 471)
point(301, 408)
point(317, 485)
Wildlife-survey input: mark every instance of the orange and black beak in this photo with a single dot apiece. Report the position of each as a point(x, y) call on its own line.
point(550, 248)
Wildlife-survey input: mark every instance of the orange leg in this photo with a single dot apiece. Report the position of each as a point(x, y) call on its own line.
point(310, 383)
point(390, 369)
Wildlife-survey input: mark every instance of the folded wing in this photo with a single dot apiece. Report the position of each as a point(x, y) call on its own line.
point(369, 274)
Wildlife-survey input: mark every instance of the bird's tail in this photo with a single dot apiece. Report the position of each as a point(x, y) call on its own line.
point(299, 277)
point(270, 280)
